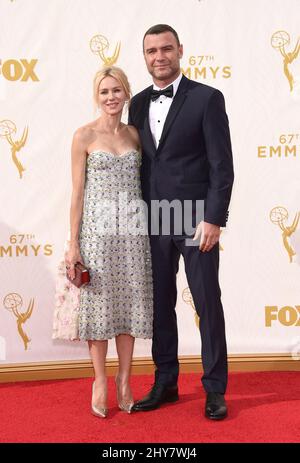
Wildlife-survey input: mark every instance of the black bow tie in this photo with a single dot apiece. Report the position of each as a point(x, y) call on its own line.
point(167, 92)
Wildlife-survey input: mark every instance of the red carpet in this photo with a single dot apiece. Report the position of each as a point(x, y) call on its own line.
point(263, 407)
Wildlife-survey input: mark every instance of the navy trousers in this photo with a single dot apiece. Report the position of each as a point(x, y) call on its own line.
point(202, 275)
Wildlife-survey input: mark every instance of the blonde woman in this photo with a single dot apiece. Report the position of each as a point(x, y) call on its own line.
point(117, 303)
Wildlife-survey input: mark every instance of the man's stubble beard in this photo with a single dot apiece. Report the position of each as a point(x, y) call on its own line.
point(172, 73)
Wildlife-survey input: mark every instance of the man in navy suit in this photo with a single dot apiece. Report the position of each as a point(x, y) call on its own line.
point(187, 155)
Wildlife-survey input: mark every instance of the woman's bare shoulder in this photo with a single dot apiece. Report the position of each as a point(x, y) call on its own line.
point(134, 134)
point(132, 129)
point(85, 132)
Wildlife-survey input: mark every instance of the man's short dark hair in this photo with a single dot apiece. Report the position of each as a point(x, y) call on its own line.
point(159, 29)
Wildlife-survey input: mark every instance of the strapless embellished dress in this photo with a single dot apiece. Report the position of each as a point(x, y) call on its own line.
point(114, 245)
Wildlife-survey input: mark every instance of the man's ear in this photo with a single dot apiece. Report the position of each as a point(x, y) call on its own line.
point(180, 49)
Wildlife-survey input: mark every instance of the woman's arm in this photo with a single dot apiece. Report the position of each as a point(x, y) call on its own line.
point(78, 153)
point(134, 135)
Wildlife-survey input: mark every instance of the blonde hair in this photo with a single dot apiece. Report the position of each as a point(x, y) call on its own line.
point(116, 73)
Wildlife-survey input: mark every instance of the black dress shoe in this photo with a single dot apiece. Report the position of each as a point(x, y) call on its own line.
point(215, 406)
point(158, 395)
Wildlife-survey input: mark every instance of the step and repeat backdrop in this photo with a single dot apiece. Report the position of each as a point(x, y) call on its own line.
point(50, 51)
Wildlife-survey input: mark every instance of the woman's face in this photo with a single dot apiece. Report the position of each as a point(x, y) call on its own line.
point(111, 96)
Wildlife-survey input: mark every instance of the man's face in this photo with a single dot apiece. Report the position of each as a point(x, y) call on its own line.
point(162, 55)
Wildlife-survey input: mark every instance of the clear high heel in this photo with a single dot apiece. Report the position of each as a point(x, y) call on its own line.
point(124, 405)
point(101, 412)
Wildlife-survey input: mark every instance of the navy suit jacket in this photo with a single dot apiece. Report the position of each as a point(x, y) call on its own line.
point(194, 159)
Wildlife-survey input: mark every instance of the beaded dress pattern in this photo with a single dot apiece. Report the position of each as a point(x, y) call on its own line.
point(114, 245)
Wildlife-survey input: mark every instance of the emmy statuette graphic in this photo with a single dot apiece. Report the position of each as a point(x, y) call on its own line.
point(13, 302)
point(187, 297)
point(279, 40)
point(7, 129)
point(278, 216)
point(99, 45)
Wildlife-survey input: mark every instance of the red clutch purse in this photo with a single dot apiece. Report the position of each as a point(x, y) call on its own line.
point(82, 276)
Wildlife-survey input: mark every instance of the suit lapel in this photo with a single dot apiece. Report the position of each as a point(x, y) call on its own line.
point(174, 109)
point(148, 138)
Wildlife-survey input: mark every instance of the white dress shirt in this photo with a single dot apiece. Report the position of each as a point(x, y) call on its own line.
point(158, 110)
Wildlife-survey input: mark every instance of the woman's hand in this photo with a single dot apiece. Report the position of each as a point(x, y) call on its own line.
point(71, 257)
